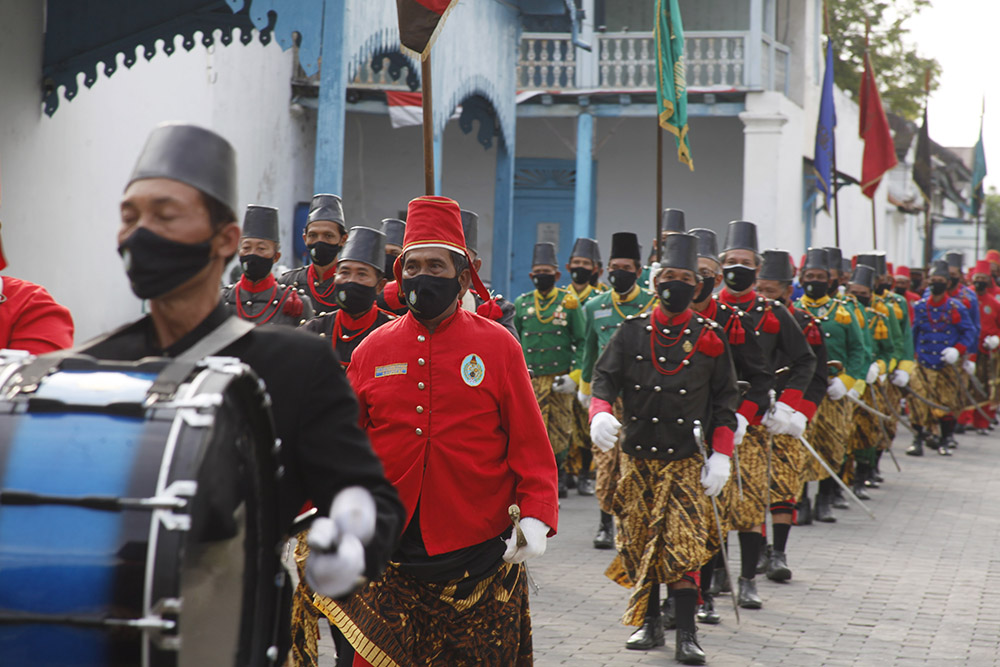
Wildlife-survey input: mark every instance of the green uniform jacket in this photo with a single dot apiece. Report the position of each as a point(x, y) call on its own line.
point(902, 314)
point(878, 348)
point(603, 314)
point(550, 329)
point(885, 307)
point(845, 342)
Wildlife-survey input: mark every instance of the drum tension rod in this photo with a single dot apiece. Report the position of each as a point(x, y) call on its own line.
point(104, 503)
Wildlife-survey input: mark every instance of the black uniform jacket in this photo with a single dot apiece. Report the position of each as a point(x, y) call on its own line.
point(816, 389)
point(660, 409)
point(315, 415)
point(320, 292)
point(350, 337)
point(738, 329)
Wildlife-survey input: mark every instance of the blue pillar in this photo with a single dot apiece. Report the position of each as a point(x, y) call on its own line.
point(328, 174)
point(438, 153)
point(582, 212)
point(503, 218)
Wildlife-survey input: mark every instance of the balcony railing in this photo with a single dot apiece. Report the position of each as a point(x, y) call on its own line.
point(715, 61)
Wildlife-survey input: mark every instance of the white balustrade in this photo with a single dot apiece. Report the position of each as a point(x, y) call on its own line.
point(546, 61)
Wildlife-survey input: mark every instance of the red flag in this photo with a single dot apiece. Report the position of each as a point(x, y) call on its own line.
point(420, 21)
point(880, 152)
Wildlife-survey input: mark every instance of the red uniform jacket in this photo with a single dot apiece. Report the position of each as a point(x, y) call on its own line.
point(30, 319)
point(989, 318)
point(454, 419)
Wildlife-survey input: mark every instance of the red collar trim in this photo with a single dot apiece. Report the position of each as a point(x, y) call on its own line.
point(710, 309)
point(944, 297)
point(259, 286)
point(663, 319)
point(326, 276)
point(729, 298)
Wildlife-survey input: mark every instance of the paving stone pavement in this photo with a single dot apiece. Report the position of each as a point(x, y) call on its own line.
point(918, 586)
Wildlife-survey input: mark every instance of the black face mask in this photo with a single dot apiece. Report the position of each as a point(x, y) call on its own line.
point(543, 281)
point(981, 286)
point(156, 265)
point(429, 296)
point(323, 253)
point(390, 262)
point(938, 288)
point(622, 280)
point(816, 289)
point(952, 282)
point(354, 298)
point(675, 295)
point(707, 285)
point(901, 291)
point(739, 278)
point(915, 286)
point(880, 288)
point(581, 275)
point(865, 301)
point(256, 267)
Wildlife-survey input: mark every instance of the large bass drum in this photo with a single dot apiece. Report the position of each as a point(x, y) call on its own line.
point(137, 527)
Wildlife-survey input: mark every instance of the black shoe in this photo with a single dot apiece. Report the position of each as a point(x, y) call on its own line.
point(803, 512)
point(563, 491)
point(982, 431)
point(944, 450)
point(917, 448)
point(585, 487)
point(871, 483)
point(777, 567)
point(688, 651)
point(720, 582)
point(650, 635)
point(605, 538)
point(706, 611)
point(932, 442)
point(570, 481)
point(839, 501)
point(748, 598)
point(763, 559)
point(960, 428)
point(859, 491)
point(668, 612)
point(824, 512)
point(877, 477)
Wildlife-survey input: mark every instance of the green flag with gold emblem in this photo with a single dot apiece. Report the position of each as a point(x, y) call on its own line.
point(671, 87)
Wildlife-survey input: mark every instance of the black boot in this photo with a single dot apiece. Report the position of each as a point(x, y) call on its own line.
point(720, 582)
point(764, 558)
point(563, 492)
point(838, 500)
point(605, 538)
point(706, 610)
point(688, 650)
point(803, 512)
point(570, 481)
point(860, 475)
point(668, 612)
point(748, 598)
point(650, 635)
point(777, 567)
point(824, 512)
point(917, 448)
point(585, 487)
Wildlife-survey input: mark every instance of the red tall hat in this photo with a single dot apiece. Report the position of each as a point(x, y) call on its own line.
point(436, 222)
point(983, 267)
point(902, 272)
point(993, 256)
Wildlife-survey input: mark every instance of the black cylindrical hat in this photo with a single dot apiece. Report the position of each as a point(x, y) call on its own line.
point(261, 222)
point(863, 275)
point(365, 245)
point(708, 245)
point(470, 227)
point(544, 255)
point(673, 220)
point(327, 207)
point(192, 155)
point(394, 230)
point(939, 268)
point(680, 251)
point(777, 266)
point(587, 249)
point(867, 259)
point(625, 245)
point(955, 258)
point(741, 235)
point(834, 258)
point(816, 258)
point(876, 260)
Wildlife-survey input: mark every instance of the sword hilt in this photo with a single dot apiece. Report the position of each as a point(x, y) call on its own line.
point(514, 512)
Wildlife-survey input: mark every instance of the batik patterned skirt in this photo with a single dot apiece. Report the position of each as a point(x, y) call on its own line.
point(746, 512)
point(557, 413)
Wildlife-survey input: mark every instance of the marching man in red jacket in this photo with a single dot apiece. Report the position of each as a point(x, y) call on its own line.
point(446, 400)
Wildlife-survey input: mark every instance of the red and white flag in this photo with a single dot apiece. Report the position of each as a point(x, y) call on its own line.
point(420, 21)
point(406, 109)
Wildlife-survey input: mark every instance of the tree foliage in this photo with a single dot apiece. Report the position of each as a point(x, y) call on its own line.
point(899, 68)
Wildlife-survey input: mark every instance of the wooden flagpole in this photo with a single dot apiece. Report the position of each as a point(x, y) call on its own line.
point(833, 185)
point(928, 220)
point(871, 73)
point(659, 190)
point(874, 237)
point(428, 111)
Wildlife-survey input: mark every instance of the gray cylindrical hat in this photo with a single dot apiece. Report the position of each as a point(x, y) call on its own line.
point(777, 266)
point(867, 259)
point(625, 245)
point(365, 245)
point(955, 259)
point(544, 255)
point(876, 260)
point(394, 230)
point(327, 207)
point(845, 266)
point(680, 251)
point(939, 267)
point(587, 249)
point(708, 243)
point(470, 227)
point(191, 155)
point(673, 220)
point(816, 258)
point(261, 222)
point(863, 275)
point(834, 258)
point(741, 235)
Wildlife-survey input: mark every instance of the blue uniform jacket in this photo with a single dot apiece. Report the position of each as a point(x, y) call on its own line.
point(937, 326)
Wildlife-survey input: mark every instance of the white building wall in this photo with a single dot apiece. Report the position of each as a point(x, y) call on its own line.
point(63, 176)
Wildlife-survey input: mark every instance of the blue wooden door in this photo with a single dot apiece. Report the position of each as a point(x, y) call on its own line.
point(544, 193)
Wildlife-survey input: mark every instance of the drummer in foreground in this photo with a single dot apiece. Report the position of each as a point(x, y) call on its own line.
point(178, 231)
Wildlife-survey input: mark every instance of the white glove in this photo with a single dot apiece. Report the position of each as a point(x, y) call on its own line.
point(992, 342)
point(969, 367)
point(949, 355)
point(353, 511)
point(564, 384)
point(535, 533)
point(604, 430)
point(778, 419)
point(654, 270)
point(836, 389)
point(900, 378)
point(715, 474)
point(853, 393)
point(741, 429)
point(583, 398)
point(873, 372)
point(798, 425)
point(335, 573)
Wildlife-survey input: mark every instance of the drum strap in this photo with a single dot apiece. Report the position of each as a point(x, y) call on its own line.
point(224, 335)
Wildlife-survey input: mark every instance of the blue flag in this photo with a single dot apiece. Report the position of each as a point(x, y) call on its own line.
point(825, 142)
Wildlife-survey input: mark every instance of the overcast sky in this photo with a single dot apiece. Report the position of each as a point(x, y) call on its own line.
point(963, 35)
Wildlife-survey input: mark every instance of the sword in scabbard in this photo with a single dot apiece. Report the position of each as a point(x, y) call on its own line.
point(885, 431)
point(743, 387)
point(699, 437)
point(923, 399)
point(772, 395)
point(862, 404)
point(514, 512)
point(895, 413)
point(826, 467)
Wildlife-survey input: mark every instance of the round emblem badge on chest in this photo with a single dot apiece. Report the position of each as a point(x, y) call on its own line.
point(473, 370)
